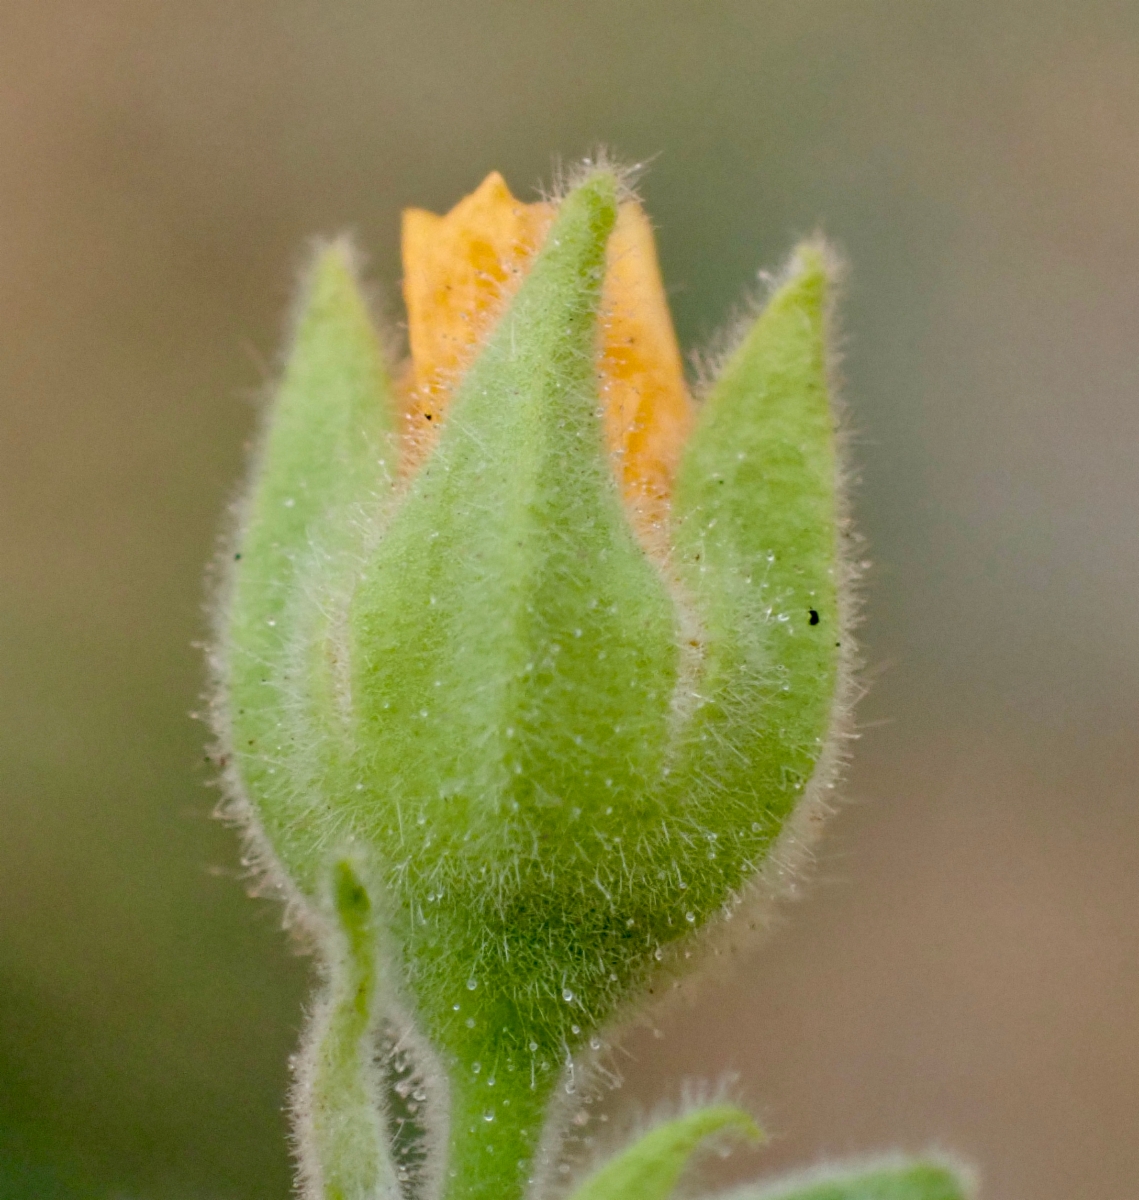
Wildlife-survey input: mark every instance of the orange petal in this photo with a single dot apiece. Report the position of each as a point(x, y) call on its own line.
point(648, 413)
point(459, 271)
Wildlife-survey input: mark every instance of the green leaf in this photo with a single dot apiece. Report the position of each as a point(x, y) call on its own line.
point(650, 1168)
point(328, 448)
point(342, 1140)
point(912, 1180)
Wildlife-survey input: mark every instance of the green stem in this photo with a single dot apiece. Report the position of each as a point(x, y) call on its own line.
point(497, 1121)
point(343, 1145)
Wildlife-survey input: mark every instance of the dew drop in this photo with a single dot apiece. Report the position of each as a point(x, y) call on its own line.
point(690, 917)
point(488, 1115)
point(567, 995)
point(476, 1068)
point(472, 984)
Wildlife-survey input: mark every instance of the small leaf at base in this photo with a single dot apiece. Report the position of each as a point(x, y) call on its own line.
point(901, 1180)
point(651, 1166)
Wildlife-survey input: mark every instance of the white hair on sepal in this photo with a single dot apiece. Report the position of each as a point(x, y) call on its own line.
point(748, 915)
point(567, 177)
point(263, 872)
point(708, 361)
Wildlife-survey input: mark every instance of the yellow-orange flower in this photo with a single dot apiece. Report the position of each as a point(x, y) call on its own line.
point(459, 272)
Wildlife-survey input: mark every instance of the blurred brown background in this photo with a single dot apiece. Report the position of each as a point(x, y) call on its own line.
point(963, 971)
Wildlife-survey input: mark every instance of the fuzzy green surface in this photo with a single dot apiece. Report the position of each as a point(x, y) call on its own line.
point(650, 1168)
point(343, 1142)
point(906, 1181)
point(328, 448)
point(514, 657)
point(557, 754)
point(756, 534)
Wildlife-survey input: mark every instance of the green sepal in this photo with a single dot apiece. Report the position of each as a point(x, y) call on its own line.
point(650, 1168)
point(513, 646)
point(342, 1140)
point(756, 516)
point(328, 454)
point(514, 654)
point(914, 1180)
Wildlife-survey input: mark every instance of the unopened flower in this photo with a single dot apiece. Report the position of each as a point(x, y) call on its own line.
point(527, 661)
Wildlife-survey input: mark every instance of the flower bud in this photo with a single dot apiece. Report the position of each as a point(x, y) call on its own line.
point(562, 677)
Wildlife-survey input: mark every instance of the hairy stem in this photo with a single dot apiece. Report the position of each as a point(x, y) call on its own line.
point(341, 1129)
point(497, 1121)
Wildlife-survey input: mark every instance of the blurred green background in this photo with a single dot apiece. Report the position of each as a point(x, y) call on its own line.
point(964, 970)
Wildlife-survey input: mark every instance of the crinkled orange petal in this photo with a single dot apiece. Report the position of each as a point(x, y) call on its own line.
point(648, 413)
point(458, 272)
point(460, 269)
